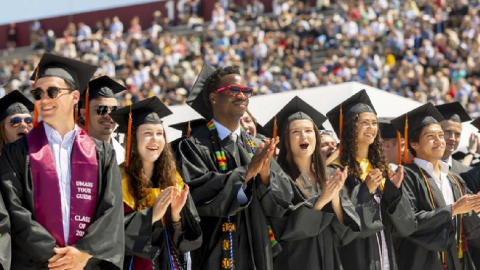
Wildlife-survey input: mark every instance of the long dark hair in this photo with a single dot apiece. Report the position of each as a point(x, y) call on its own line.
point(349, 150)
point(286, 161)
point(164, 172)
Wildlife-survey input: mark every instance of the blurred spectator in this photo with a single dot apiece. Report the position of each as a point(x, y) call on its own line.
point(11, 37)
point(35, 32)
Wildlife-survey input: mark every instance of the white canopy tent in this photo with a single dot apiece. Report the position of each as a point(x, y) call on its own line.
point(322, 98)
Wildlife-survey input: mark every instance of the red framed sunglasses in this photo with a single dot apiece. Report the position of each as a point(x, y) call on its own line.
point(234, 90)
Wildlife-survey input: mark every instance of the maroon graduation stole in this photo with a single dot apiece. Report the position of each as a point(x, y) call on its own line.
point(46, 185)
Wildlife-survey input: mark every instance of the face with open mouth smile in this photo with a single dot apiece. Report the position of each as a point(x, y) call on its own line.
point(367, 128)
point(13, 133)
point(302, 138)
point(150, 141)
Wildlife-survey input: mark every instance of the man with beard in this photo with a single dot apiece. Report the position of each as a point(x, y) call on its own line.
point(102, 101)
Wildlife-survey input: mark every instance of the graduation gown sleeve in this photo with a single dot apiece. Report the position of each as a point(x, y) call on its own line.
point(5, 239)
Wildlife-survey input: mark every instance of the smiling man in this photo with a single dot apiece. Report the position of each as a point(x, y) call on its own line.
point(454, 114)
point(441, 203)
point(233, 183)
point(62, 189)
point(102, 101)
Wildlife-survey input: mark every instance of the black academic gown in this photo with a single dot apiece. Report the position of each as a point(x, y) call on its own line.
point(5, 239)
point(436, 230)
point(472, 179)
point(309, 238)
point(147, 241)
point(215, 197)
point(390, 215)
point(32, 245)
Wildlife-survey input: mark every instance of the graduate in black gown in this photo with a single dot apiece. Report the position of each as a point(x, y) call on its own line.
point(101, 101)
point(15, 118)
point(310, 233)
point(234, 180)
point(62, 188)
point(373, 188)
point(5, 237)
point(441, 202)
point(161, 223)
point(453, 114)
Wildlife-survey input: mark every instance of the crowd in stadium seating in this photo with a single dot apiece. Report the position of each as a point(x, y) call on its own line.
point(426, 50)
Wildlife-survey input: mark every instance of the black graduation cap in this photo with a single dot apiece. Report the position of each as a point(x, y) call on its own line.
point(453, 111)
point(73, 71)
point(476, 123)
point(358, 103)
point(147, 111)
point(294, 110)
point(191, 124)
point(414, 120)
point(104, 87)
point(76, 72)
point(387, 130)
point(13, 103)
point(198, 98)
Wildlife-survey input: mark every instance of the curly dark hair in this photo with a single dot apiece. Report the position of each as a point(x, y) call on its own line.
point(164, 174)
point(286, 161)
point(214, 79)
point(376, 154)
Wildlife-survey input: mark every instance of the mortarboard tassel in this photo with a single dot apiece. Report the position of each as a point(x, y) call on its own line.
point(129, 137)
point(35, 110)
point(189, 129)
point(399, 145)
point(86, 108)
point(341, 131)
point(275, 131)
point(405, 148)
point(76, 113)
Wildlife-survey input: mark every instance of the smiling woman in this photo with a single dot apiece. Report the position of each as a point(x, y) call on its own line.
point(15, 118)
point(155, 198)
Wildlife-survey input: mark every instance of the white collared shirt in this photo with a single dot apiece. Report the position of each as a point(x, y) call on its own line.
point(223, 132)
point(62, 152)
point(448, 161)
point(119, 150)
point(442, 182)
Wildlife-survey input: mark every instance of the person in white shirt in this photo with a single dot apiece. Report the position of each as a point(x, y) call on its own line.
point(102, 101)
point(73, 217)
point(441, 202)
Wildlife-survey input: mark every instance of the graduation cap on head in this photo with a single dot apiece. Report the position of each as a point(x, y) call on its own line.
point(199, 96)
point(188, 127)
point(103, 87)
point(454, 112)
point(147, 111)
point(389, 131)
point(14, 103)
point(356, 104)
point(75, 72)
point(296, 109)
point(414, 120)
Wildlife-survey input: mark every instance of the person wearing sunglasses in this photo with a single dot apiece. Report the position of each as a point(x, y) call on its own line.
point(233, 178)
point(101, 102)
point(73, 218)
point(15, 118)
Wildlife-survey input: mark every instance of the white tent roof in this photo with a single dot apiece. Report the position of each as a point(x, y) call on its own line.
point(321, 98)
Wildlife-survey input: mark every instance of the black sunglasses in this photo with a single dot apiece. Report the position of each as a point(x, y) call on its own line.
point(52, 92)
point(103, 109)
point(17, 120)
